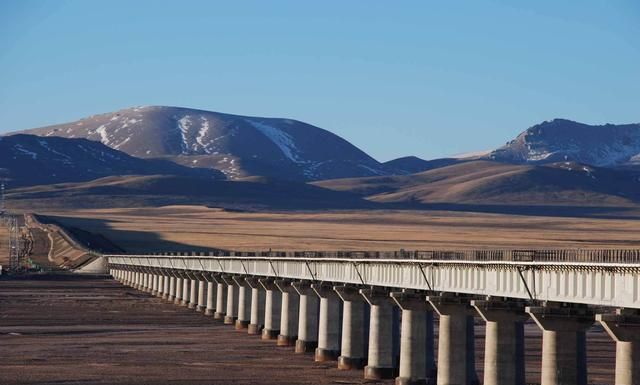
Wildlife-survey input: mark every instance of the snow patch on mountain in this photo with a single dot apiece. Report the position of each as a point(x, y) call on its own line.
point(202, 133)
point(280, 138)
point(23, 150)
point(104, 137)
point(184, 124)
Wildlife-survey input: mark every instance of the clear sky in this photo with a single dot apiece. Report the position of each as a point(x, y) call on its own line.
point(425, 78)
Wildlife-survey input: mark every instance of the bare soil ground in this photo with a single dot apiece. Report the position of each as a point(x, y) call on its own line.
point(194, 227)
point(91, 331)
point(77, 330)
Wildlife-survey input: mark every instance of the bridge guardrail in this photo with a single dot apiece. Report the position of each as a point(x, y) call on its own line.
point(497, 255)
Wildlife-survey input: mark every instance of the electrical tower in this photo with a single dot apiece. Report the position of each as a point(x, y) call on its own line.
point(2, 207)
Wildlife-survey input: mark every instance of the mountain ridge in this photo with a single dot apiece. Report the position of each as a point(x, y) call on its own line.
point(237, 145)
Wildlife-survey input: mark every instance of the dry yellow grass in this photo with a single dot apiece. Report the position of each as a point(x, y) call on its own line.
point(4, 246)
point(179, 227)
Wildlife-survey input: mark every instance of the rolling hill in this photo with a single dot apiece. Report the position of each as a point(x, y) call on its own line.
point(238, 146)
point(562, 140)
point(28, 160)
point(164, 190)
point(487, 182)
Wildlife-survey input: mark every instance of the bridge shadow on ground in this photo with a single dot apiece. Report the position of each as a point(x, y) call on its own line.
point(100, 235)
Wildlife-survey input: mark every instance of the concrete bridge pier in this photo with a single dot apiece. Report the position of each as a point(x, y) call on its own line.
point(165, 286)
point(155, 281)
point(272, 309)
point(221, 296)
point(140, 281)
point(193, 292)
point(160, 289)
point(256, 321)
point(186, 284)
point(289, 313)
point(328, 324)
point(504, 341)
point(210, 298)
point(564, 358)
point(456, 350)
point(179, 287)
point(416, 339)
point(624, 328)
point(352, 345)
point(380, 355)
point(307, 318)
point(202, 294)
point(148, 281)
point(244, 303)
point(143, 281)
point(232, 297)
point(135, 280)
point(172, 289)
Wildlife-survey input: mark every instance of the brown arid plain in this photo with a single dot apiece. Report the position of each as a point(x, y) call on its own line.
point(181, 228)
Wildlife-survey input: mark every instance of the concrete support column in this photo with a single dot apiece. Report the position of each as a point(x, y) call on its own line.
point(272, 309)
point(624, 328)
point(456, 349)
point(136, 280)
point(289, 314)
point(416, 344)
point(244, 303)
point(380, 355)
point(221, 296)
point(145, 282)
point(504, 341)
point(179, 287)
point(155, 284)
point(256, 319)
point(232, 297)
point(354, 325)
point(210, 298)
point(172, 289)
point(564, 358)
point(202, 293)
point(164, 287)
point(307, 318)
point(186, 284)
point(329, 324)
point(193, 297)
point(160, 285)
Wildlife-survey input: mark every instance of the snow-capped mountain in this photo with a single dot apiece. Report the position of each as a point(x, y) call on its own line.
point(27, 160)
point(563, 140)
point(237, 145)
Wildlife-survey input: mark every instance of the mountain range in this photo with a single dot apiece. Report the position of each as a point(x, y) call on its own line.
point(238, 146)
point(271, 160)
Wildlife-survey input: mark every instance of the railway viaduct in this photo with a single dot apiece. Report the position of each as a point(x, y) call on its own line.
point(347, 306)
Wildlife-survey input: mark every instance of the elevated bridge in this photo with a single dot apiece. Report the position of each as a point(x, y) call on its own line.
point(341, 305)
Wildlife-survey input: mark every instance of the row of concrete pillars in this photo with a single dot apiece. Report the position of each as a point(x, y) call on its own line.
point(359, 328)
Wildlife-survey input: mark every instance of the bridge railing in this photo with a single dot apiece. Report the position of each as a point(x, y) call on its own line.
point(517, 255)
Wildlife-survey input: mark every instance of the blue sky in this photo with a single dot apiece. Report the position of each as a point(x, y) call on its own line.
point(421, 78)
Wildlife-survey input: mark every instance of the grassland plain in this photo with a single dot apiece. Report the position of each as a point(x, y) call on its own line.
point(4, 245)
point(194, 227)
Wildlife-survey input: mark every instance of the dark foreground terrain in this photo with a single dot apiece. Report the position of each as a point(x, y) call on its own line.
point(95, 331)
point(78, 330)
